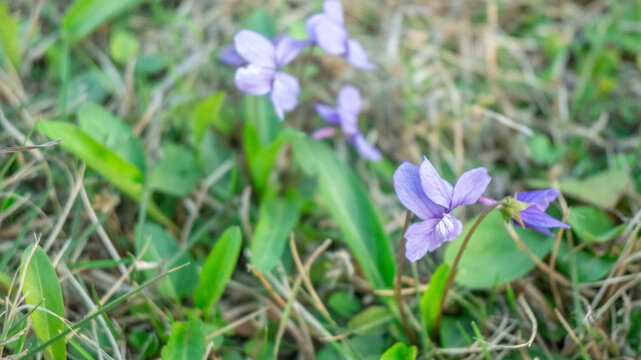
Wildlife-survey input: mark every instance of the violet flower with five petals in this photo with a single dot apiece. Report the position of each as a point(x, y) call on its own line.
point(345, 115)
point(423, 192)
point(261, 76)
point(328, 31)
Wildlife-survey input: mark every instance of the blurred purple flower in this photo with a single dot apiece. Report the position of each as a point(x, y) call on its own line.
point(346, 116)
point(261, 76)
point(327, 30)
point(534, 216)
point(422, 191)
point(230, 56)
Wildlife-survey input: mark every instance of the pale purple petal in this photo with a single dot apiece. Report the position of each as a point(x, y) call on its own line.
point(540, 199)
point(435, 187)
point(407, 183)
point(447, 229)
point(230, 56)
point(254, 80)
point(284, 93)
point(349, 123)
point(334, 10)
point(311, 24)
point(330, 36)
point(328, 113)
point(255, 48)
point(357, 56)
point(287, 48)
point(349, 99)
point(366, 149)
point(470, 186)
point(420, 239)
point(537, 219)
point(324, 132)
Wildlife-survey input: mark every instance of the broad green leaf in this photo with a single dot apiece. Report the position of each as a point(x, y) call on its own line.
point(348, 203)
point(177, 172)
point(206, 114)
point(218, 268)
point(431, 299)
point(124, 175)
point(370, 320)
point(127, 177)
point(186, 342)
point(589, 267)
point(543, 151)
point(123, 46)
point(42, 289)
point(277, 218)
point(84, 16)
point(400, 351)
point(9, 36)
point(112, 132)
point(492, 257)
point(344, 303)
point(603, 189)
point(160, 246)
point(592, 224)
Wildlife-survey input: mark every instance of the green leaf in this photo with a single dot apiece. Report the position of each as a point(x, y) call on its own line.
point(492, 257)
point(160, 246)
point(261, 158)
point(349, 205)
point(186, 342)
point(218, 268)
point(543, 151)
point(86, 15)
point(112, 132)
point(344, 303)
point(9, 36)
point(42, 289)
point(431, 299)
point(123, 46)
point(592, 224)
point(589, 267)
point(207, 113)
point(400, 351)
point(124, 175)
point(177, 172)
point(277, 218)
point(370, 320)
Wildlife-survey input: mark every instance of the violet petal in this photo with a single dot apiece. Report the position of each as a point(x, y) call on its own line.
point(470, 186)
point(436, 188)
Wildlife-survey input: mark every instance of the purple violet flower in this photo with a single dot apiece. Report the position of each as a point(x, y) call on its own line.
point(327, 30)
point(534, 216)
point(261, 76)
point(422, 191)
point(346, 116)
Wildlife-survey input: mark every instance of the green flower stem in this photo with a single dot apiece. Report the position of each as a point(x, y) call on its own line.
point(450, 279)
point(397, 284)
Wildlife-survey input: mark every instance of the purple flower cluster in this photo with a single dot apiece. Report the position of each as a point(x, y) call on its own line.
point(260, 60)
point(345, 116)
point(423, 192)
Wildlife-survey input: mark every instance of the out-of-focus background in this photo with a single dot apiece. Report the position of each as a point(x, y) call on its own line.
point(163, 164)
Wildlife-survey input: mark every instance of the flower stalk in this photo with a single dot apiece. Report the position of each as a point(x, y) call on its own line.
point(399, 276)
point(457, 259)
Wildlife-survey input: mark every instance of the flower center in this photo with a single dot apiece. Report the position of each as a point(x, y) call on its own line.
point(445, 227)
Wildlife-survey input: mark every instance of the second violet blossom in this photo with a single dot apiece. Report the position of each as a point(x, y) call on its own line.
point(423, 192)
point(261, 73)
point(345, 116)
point(328, 31)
